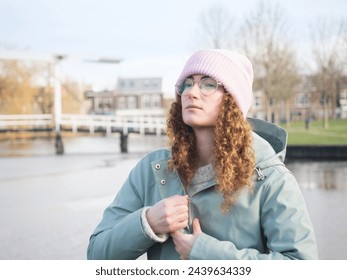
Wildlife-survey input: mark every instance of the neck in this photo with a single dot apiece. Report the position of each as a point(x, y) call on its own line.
point(204, 142)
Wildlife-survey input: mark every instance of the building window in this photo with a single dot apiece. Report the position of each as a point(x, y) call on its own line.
point(146, 83)
point(107, 103)
point(257, 101)
point(302, 100)
point(122, 103)
point(343, 96)
point(156, 101)
point(145, 102)
point(132, 102)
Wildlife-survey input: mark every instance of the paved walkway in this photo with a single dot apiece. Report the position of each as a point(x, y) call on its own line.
point(50, 214)
point(49, 205)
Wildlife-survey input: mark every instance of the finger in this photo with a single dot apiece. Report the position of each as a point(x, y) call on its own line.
point(180, 218)
point(179, 210)
point(176, 234)
point(174, 215)
point(177, 200)
point(175, 238)
point(178, 226)
point(172, 221)
point(171, 212)
point(196, 226)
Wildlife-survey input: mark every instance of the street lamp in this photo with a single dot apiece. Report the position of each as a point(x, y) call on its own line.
point(58, 93)
point(59, 146)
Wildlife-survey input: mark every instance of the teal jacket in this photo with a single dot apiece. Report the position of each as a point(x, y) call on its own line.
point(271, 222)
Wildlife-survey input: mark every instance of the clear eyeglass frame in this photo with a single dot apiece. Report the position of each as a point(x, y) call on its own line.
point(207, 86)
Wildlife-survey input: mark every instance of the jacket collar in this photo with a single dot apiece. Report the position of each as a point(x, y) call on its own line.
point(270, 142)
point(170, 184)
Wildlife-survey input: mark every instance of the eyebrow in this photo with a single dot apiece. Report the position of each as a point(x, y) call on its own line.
point(203, 77)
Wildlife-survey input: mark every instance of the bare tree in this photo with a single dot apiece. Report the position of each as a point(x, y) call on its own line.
point(16, 90)
point(215, 28)
point(43, 98)
point(72, 97)
point(26, 88)
point(329, 49)
point(264, 38)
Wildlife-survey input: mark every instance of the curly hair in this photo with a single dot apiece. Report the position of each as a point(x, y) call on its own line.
point(234, 157)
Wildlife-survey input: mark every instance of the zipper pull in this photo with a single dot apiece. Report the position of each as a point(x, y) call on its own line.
point(261, 176)
point(188, 227)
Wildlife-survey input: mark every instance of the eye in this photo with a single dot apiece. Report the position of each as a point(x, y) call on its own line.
point(209, 84)
point(187, 83)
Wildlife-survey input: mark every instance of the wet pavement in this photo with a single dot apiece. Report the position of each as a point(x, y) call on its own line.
point(49, 204)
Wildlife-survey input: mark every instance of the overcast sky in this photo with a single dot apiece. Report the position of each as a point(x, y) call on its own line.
point(130, 29)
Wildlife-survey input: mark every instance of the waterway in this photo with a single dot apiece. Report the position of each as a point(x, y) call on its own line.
point(50, 204)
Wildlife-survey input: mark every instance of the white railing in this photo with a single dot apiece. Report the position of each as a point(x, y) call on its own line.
point(138, 124)
point(15, 121)
point(126, 124)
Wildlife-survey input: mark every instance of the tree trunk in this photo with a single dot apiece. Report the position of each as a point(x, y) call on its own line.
point(325, 115)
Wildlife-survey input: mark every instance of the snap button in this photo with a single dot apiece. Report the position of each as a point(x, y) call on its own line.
point(157, 166)
point(163, 182)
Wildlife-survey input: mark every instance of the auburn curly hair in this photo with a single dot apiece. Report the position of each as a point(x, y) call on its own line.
point(234, 157)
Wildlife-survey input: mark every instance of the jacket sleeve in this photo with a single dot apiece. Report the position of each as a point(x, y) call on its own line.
point(286, 226)
point(120, 234)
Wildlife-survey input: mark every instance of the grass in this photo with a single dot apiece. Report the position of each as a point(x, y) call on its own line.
point(335, 134)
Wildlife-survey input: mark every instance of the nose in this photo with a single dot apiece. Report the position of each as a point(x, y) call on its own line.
point(194, 91)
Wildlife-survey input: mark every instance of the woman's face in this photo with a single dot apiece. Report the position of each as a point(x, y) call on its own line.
point(198, 110)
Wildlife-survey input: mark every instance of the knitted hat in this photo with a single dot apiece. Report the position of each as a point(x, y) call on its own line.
point(233, 70)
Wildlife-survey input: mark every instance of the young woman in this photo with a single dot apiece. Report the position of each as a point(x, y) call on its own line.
point(221, 191)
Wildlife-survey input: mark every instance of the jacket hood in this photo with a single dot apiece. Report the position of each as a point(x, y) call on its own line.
point(270, 142)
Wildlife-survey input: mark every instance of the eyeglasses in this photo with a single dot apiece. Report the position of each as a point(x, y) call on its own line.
point(207, 86)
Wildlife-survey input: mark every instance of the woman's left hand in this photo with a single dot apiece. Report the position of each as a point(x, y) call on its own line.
point(184, 242)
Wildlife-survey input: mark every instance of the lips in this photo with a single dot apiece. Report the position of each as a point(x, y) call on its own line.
point(193, 107)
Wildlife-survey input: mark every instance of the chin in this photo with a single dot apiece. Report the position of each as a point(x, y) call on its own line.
point(193, 124)
point(190, 122)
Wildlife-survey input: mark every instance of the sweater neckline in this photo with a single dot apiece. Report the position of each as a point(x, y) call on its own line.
point(203, 175)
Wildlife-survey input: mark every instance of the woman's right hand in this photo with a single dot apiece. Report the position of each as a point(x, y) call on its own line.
point(169, 214)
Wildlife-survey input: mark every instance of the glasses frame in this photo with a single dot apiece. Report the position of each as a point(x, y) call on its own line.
point(199, 86)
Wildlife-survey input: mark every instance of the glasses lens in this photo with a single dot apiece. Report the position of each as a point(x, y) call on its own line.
point(208, 86)
point(187, 83)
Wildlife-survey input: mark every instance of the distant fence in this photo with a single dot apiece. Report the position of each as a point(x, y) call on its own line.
point(26, 122)
point(122, 124)
point(85, 123)
point(109, 124)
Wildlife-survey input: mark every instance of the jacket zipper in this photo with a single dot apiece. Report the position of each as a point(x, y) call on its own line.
point(188, 227)
point(189, 214)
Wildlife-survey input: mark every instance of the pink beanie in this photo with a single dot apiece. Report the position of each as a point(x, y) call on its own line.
point(232, 69)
